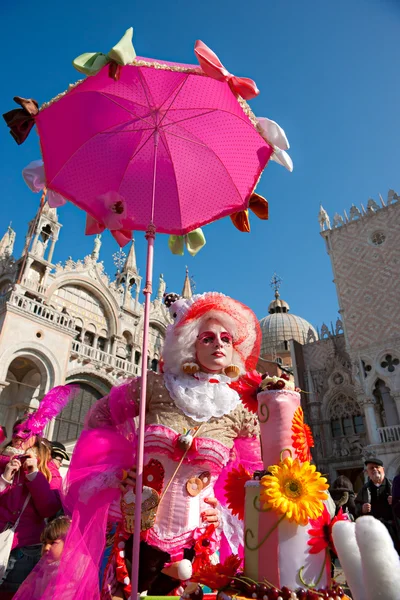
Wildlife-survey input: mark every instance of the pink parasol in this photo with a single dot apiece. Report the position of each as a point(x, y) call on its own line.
point(143, 144)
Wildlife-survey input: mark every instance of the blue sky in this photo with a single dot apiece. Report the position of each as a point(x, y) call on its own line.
point(328, 72)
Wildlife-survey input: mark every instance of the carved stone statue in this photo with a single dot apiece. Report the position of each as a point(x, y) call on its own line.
point(161, 287)
point(337, 220)
point(354, 212)
point(96, 247)
point(372, 206)
point(323, 219)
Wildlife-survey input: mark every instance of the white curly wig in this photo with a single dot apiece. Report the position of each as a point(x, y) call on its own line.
point(191, 314)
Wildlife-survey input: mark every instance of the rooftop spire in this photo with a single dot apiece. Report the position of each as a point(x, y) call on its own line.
point(187, 286)
point(130, 263)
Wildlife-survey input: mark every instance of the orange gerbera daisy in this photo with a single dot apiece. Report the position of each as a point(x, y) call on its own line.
point(235, 490)
point(295, 490)
point(302, 437)
point(218, 577)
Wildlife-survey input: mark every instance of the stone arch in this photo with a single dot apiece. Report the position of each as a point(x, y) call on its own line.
point(101, 381)
point(107, 300)
point(30, 372)
point(44, 359)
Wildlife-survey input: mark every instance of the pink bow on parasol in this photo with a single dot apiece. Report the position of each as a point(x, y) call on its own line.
point(214, 68)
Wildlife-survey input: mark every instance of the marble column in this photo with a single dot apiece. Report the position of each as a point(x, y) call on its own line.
point(370, 420)
point(396, 397)
point(51, 251)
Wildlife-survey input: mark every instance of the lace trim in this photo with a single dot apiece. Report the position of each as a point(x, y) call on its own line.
point(199, 399)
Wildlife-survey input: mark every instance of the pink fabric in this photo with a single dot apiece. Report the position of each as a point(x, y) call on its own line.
point(210, 155)
point(212, 66)
point(91, 486)
point(276, 430)
point(45, 502)
point(41, 580)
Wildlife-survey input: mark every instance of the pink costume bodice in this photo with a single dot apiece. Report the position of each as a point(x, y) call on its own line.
point(179, 513)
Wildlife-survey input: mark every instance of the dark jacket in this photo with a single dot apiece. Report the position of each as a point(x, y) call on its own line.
point(396, 496)
point(378, 498)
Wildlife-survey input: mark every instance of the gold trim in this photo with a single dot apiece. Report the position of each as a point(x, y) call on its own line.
point(264, 412)
point(61, 95)
point(163, 67)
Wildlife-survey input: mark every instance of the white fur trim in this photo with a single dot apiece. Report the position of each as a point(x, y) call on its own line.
point(199, 399)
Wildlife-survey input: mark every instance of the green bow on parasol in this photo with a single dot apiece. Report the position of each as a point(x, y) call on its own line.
point(123, 53)
point(194, 241)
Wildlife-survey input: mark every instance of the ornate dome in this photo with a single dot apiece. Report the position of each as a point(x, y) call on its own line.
point(279, 327)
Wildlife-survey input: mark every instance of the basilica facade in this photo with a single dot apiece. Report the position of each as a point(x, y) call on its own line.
point(69, 323)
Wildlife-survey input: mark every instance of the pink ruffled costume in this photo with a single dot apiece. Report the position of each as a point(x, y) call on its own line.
point(107, 446)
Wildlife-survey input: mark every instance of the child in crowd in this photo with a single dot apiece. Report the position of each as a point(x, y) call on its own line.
point(40, 579)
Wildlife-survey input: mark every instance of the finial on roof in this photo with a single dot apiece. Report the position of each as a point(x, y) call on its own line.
point(276, 283)
point(130, 263)
point(187, 286)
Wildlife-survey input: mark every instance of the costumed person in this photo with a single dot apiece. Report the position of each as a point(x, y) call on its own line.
point(375, 498)
point(42, 576)
point(29, 491)
point(196, 429)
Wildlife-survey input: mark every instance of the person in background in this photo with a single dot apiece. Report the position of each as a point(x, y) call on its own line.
point(58, 454)
point(29, 487)
point(27, 476)
point(43, 577)
point(343, 496)
point(375, 498)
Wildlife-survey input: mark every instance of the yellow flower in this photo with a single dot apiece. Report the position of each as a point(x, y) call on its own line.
point(295, 490)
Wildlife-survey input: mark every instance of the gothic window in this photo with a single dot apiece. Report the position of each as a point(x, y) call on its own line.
point(69, 423)
point(346, 417)
point(154, 365)
point(378, 238)
point(137, 357)
point(337, 378)
point(279, 360)
point(389, 363)
point(366, 368)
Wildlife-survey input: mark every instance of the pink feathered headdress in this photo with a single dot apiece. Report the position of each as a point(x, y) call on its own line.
point(51, 405)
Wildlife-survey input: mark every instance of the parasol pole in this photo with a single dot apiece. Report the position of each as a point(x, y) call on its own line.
point(150, 235)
